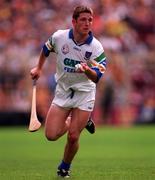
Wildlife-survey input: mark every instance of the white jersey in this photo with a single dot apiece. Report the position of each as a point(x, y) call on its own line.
point(69, 53)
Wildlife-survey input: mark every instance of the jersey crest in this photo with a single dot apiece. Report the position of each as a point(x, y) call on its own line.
point(87, 55)
point(65, 49)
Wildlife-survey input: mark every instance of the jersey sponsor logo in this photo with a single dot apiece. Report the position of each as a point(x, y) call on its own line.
point(87, 55)
point(68, 69)
point(70, 62)
point(65, 49)
point(70, 65)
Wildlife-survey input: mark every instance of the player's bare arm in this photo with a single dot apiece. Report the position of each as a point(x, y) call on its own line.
point(36, 72)
point(91, 74)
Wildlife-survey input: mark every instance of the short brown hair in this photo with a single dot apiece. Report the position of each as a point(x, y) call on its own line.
point(81, 9)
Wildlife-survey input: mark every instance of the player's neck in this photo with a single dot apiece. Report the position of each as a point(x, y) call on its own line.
point(80, 38)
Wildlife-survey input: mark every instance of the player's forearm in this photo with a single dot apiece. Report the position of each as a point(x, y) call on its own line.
point(91, 74)
point(41, 60)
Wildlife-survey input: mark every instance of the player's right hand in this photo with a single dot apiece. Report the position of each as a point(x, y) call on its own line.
point(35, 73)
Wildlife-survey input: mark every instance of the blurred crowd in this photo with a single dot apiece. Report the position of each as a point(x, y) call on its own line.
point(126, 28)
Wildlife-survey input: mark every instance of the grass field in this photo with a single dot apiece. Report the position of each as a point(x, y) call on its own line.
point(109, 154)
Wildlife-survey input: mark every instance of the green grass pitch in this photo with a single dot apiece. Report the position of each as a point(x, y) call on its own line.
point(110, 154)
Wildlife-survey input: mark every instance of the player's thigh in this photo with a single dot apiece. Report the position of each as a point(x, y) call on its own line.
point(55, 120)
point(78, 121)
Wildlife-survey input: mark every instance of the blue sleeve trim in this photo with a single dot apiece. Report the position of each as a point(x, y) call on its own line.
point(104, 62)
point(46, 51)
point(99, 74)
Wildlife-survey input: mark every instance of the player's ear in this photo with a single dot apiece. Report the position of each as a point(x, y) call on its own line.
point(73, 21)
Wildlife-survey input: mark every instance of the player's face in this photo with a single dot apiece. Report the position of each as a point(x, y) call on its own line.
point(83, 23)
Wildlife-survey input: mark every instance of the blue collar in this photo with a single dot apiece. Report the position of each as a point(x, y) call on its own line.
point(88, 40)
